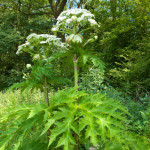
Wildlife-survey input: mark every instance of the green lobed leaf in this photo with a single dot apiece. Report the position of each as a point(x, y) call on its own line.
point(47, 126)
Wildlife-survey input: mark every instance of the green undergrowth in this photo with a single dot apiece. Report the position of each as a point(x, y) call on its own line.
point(14, 98)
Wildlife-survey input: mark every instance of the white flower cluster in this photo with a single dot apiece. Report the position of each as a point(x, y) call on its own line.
point(24, 47)
point(35, 39)
point(41, 42)
point(83, 17)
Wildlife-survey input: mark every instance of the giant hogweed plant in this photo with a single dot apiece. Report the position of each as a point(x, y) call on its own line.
point(43, 49)
point(74, 119)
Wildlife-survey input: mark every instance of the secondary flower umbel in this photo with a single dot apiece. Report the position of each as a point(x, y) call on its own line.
point(41, 46)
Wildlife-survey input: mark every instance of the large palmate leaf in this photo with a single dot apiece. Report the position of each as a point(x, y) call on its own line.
point(95, 119)
point(101, 118)
point(19, 124)
point(65, 127)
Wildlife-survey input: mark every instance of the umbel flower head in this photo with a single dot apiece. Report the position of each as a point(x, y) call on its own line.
point(43, 44)
point(80, 16)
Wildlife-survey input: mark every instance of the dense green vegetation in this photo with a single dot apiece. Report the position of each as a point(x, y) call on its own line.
point(91, 91)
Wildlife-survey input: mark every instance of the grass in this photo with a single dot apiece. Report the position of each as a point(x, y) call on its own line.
point(10, 100)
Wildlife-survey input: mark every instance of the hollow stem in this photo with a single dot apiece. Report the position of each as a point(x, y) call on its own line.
point(75, 71)
point(76, 84)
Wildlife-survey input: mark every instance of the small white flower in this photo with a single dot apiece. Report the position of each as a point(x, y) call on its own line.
point(36, 57)
point(23, 47)
point(43, 42)
point(95, 37)
point(31, 36)
point(68, 21)
point(54, 29)
point(61, 18)
point(93, 22)
point(74, 19)
point(28, 66)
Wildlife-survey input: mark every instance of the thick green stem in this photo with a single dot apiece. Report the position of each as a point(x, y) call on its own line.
point(74, 30)
point(46, 102)
point(46, 91)
point(76, 84)
point(75, 71)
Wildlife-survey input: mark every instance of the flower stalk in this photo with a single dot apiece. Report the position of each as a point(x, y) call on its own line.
point(75, 70)
point(76, 83)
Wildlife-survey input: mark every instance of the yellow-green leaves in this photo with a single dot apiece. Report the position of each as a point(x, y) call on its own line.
point(47, 126)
